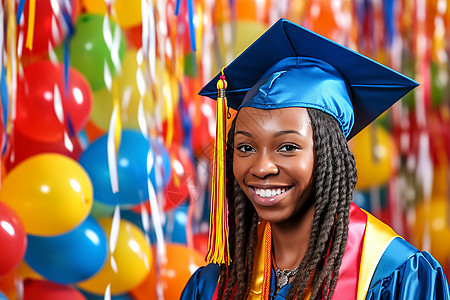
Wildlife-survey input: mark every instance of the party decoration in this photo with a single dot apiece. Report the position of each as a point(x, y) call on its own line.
point(45, 108)
point(23, 147)
point(131, 166)
point(71, 257)
point(132, 258)
point(129, 95)
point(174, 223)
point(12, 238)
point(432, 227)
point(45, 290)
point(51, 194)
point(49, 24)
point(181, 263)
point(373, 149)
point(89, 51)
point(2, 296)
point(90, 296)
point(128, 12)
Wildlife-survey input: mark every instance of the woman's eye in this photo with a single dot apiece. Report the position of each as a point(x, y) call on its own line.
point(288, 148)
point(245, 148)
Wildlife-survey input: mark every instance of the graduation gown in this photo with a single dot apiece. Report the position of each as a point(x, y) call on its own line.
point(377, 264)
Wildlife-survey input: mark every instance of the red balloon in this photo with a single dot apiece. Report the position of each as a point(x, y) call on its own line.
point(13, 239)
point(43, 30)
point(22, 147)
point(35, 289)
point(36, 114)
point(201, 242)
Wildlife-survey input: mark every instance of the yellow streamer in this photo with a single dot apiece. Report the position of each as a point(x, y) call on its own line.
point(116, 105)
point(30, 30)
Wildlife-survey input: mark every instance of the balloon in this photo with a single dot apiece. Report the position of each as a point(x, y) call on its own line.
point(183, 178)
point(178, 187)
point(13, 239)
point(432, 220)
point(23, 147)
point(71, 257)
point(35, 289)
point(90, 296)
point(2, 296)
point(7, 284)
point(129, 12)
point(49, 27)
point(131, 169)
point(51, 193)
point(174, 224)
point(101, 210)
point(201, 243)
point(128, 92)
point(373, 149)
point(89, 50)
point(252, 10)
point(36, 109)
point(203, 129)
point(181, 263)
point(132, 256)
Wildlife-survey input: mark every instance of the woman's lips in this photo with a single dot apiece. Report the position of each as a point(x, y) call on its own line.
point(268, 196)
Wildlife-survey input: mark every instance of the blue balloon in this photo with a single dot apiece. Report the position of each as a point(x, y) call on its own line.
point(131, 169)
point(2, 296)
point(174, 228)
point(69, 258)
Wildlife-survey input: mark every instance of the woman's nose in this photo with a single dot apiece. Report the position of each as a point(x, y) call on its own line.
point(263, 166)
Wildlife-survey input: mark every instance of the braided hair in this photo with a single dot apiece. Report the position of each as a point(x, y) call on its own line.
point(334, 180)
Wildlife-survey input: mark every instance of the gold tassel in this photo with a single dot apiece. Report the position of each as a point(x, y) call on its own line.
point(218, 249)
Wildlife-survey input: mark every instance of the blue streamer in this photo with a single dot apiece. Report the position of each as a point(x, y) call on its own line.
point(191, 24)
point(177, 8)
point(389, 28)
point(20, 11)
point(4, 95)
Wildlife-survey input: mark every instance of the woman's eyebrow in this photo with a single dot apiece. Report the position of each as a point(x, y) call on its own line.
point(283, 132)
point(248, 134)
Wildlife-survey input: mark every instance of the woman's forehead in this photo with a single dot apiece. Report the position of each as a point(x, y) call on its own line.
point(261, 121)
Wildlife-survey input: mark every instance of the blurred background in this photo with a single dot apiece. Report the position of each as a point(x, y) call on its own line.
point(106, 146)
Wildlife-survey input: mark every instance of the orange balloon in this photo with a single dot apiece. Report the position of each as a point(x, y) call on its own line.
point(181, 263)
point(432, 223)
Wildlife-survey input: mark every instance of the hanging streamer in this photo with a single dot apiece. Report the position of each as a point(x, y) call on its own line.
point(30, 30)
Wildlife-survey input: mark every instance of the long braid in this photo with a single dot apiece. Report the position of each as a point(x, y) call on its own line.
point(334, 181)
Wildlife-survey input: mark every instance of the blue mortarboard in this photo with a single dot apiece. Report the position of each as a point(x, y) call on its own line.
point(290, 66)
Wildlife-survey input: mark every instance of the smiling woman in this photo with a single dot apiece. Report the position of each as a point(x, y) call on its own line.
point(293, 230)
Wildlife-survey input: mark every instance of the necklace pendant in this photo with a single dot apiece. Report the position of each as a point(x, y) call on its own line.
point(283, 280)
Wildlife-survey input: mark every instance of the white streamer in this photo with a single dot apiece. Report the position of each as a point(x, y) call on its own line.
point(111, 152)
point(57, 104)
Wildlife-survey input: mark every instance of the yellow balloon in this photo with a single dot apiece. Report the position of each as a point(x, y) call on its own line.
point(132, 256)
point(128, 94)
point(432, 220)
point(373, 149)
point(51, 193)
point(128, 12)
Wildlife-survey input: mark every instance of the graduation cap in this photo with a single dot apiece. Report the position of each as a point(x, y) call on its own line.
point(290, 66)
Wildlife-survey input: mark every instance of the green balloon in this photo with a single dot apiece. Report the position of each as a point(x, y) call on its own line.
point(88, 49)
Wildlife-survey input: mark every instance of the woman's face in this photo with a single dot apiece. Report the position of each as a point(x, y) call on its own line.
point(274, 160)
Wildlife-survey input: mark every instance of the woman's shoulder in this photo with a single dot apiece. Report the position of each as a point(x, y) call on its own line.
point(404, 272)
point(202, 283)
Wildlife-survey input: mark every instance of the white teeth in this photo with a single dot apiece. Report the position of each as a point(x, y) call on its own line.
point(266, 193)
